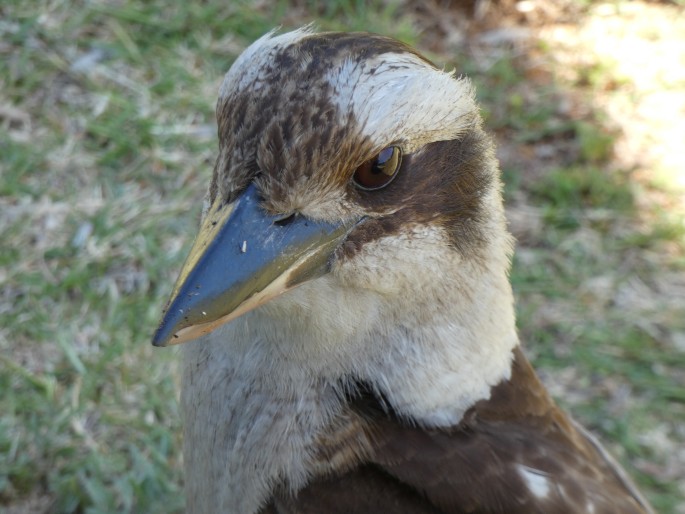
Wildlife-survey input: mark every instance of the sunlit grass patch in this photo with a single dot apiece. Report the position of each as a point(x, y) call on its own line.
point(570, 195)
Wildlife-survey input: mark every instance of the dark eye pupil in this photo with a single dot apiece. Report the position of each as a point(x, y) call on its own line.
point(378, 172)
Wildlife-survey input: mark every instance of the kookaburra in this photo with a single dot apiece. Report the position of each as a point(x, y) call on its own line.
point(354, 347)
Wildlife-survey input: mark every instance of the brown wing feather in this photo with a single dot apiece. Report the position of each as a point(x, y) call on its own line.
point(514, 453)
point(365, 490)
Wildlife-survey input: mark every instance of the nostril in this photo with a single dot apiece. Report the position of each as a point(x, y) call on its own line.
point(284, 220)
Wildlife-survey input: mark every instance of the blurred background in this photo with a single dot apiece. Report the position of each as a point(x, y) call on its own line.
point(107, 141)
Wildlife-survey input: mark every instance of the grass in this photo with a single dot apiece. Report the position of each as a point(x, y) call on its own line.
point(106, 145)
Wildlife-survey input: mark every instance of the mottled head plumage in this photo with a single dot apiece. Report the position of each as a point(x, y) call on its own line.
point(301, 111)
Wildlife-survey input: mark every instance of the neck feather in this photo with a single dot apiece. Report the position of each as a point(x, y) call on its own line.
point(261, 392)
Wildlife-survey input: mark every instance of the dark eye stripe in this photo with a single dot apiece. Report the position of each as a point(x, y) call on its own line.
point(378, 172)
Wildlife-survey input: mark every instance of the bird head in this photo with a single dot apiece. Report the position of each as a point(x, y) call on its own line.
point(350, 169)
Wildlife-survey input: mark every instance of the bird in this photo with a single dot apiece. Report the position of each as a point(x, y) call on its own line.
point(346, 313)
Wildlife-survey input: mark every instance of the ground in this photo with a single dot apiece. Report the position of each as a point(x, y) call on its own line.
point(107, 139)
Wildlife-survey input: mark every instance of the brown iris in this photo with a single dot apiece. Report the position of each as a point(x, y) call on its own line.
point(378, 172)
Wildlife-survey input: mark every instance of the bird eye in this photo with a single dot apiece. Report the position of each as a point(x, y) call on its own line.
point(378, 172)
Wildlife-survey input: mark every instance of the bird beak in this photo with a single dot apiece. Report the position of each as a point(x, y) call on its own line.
point(241, 259)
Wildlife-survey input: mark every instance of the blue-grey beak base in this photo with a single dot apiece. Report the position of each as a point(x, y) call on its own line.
point(252, 255)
